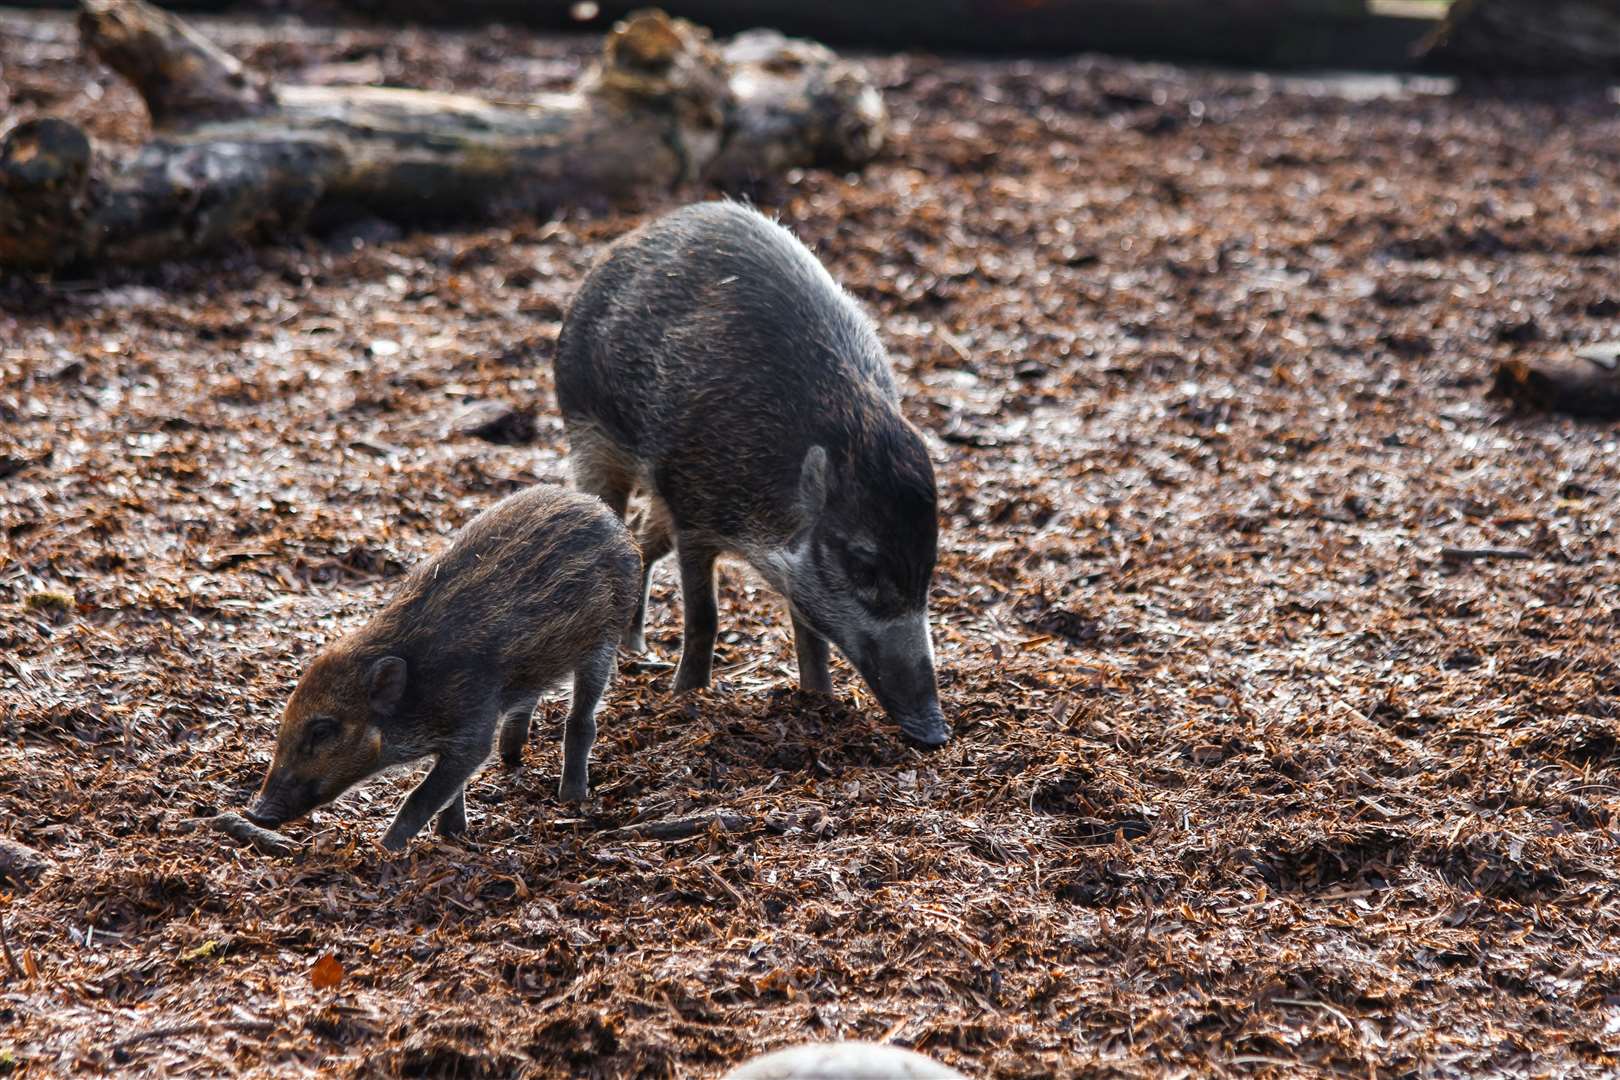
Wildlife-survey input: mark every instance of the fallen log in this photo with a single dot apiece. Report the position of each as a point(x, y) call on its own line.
point(1286, 33)
point(235, 157)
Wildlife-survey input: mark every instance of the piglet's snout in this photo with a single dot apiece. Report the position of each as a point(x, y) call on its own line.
point(281, 800)
point(263, 816)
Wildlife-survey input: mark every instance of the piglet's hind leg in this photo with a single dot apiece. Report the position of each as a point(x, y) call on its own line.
point(452, 820)
point(579, 731)
point(515, 728)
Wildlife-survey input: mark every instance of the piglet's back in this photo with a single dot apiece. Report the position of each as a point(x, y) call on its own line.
point(538, 575)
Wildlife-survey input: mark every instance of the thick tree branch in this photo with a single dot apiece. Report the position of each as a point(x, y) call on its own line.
point(182, 76)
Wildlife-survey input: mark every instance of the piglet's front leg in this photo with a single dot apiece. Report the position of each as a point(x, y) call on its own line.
point(441, 787)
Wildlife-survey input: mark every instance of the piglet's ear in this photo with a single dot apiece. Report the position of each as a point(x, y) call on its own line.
point(813, 483)
point(387, 684)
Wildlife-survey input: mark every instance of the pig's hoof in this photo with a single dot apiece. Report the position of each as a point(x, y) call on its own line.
point(395, 844)
point(635, 641)
point(572, 791)
point(450, 827)
point(685, 683)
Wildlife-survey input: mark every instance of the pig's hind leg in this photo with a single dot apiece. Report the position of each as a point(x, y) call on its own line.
point(599, 467)
point(579, 730)
point(700, 615)
point(452, 820)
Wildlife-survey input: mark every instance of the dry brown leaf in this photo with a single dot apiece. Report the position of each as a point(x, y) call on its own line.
point(326, 973)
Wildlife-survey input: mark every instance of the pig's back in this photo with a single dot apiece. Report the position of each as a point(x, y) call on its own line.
point(714, 348)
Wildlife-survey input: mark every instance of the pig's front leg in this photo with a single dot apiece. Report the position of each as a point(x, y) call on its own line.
point(811, 647)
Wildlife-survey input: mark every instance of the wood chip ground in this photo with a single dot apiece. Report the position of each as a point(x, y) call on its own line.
point(1250, 779)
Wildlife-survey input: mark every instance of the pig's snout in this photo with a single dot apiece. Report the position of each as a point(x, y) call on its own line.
point(898, 664)
point(927, 729)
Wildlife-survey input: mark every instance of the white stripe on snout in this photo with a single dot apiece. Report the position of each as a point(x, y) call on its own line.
point(905, 640)
point(780, 566)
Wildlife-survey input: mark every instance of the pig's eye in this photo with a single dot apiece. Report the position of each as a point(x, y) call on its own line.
point(321, 729)
point(862, 562)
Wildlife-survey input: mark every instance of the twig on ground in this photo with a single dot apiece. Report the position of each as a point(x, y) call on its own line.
point(1451, 554)
point(194, 1028)
point(681, 828)
point(5, 945)
point(724, 884)
point(239, 828)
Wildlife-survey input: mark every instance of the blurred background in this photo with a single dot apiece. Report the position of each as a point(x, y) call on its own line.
point(1477, 37)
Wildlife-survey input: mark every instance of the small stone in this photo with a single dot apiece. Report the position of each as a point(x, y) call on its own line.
point(1605, 354)
point(49, 600)
point(1519, 332)
point(363, 232)
point(843, 1061)
point(1407, 343)
point(494, 421)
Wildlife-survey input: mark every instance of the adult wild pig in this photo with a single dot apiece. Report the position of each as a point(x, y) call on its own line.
point(710, 361)
point(539, 586)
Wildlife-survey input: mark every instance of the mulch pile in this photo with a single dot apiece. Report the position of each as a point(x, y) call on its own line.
point(1282, 661)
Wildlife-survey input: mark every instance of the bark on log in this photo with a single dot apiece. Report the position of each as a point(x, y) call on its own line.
point(1527, 37)
point(236, 158)
point(180, 74)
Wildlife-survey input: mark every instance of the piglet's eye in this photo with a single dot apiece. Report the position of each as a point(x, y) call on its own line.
point(320, 730)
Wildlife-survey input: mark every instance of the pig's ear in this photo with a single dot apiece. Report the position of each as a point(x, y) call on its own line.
point(813, 483)
point(387, 684)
